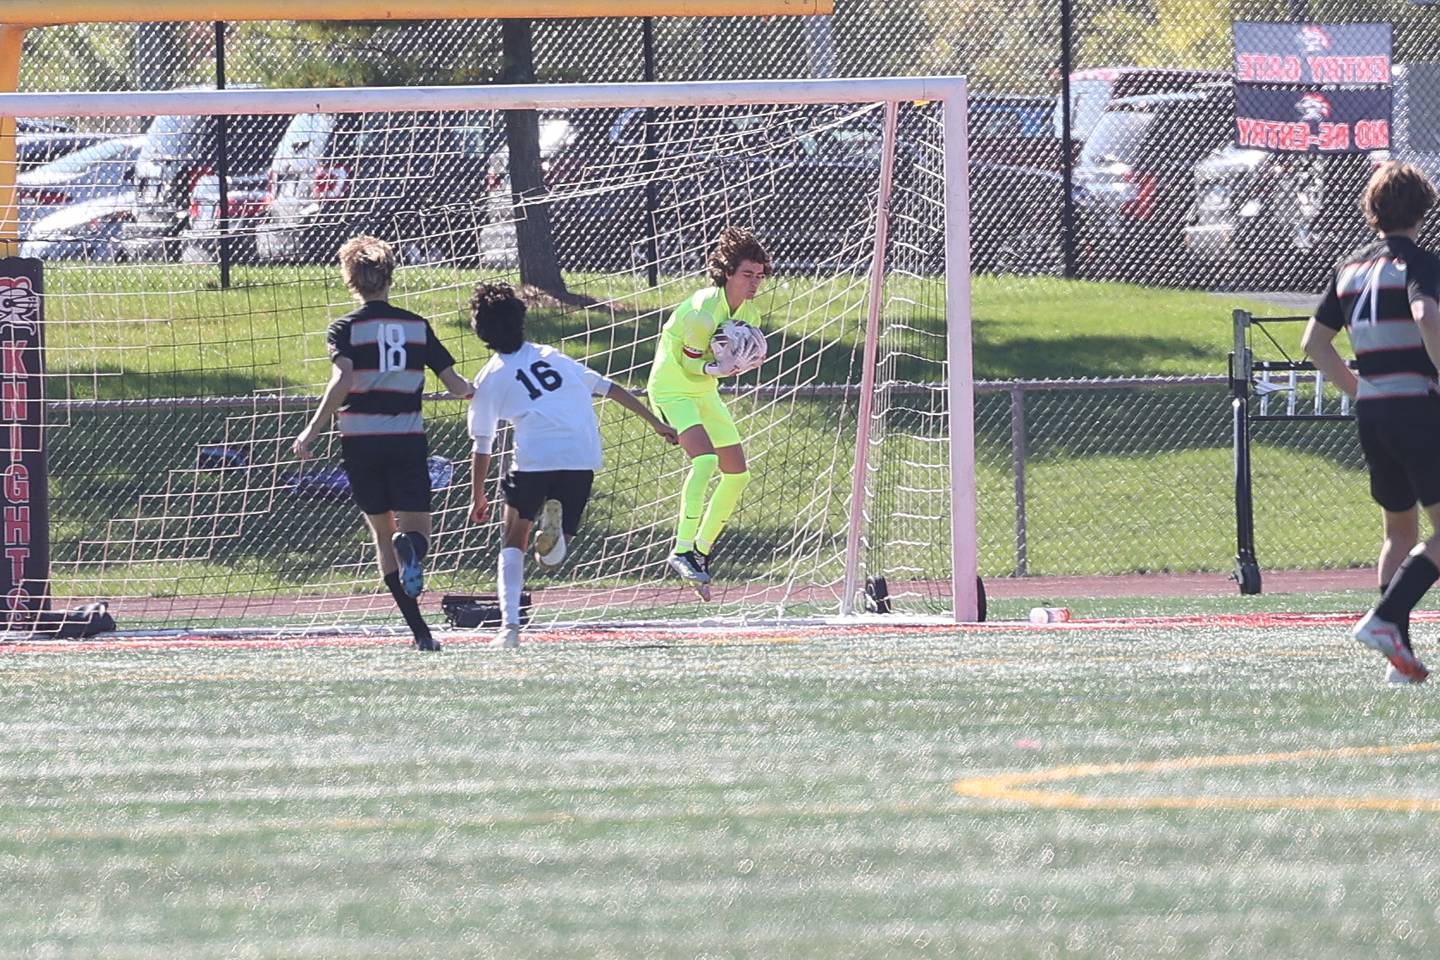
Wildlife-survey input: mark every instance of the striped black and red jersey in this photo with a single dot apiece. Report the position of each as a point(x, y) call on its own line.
point(1370, 294)
point(390, 349)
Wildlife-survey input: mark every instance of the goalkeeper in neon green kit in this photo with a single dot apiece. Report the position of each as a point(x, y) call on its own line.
point(684, 390)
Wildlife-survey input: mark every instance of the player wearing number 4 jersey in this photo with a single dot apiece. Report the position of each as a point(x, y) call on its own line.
point(546, 397)
point(380, 353)
point(1387, 295)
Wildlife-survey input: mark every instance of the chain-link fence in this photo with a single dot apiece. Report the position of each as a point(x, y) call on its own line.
point(1158, 189)
point(1136, 475)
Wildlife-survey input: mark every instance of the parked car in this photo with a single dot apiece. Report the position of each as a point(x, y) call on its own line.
point(1415, 133)
point(1015, 219)
point(1134, 181)
point(247, 199)
point(105, 168)
point(45, 146)
point(1093, 90)
point(802, 178)
point(1261, 220)
point(88, 231)
point(178, 152)
point(573, 148)
point(418, 178)
point(1014, 130)
point(1015, 187)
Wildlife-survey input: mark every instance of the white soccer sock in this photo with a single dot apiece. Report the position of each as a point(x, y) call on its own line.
point(512, 578)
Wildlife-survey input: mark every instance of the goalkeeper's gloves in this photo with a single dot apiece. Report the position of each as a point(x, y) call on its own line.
point(722, 367)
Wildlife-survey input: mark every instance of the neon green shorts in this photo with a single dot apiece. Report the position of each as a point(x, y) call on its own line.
point(707, 411)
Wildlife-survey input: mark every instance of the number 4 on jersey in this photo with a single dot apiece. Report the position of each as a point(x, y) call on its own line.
point(547, 375)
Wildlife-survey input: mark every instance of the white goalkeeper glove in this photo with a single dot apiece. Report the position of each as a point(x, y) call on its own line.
point(728, 352)
point(726, 366)
point(752, 350)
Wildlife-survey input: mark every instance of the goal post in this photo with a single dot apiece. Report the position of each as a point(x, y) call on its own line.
point(171, 404)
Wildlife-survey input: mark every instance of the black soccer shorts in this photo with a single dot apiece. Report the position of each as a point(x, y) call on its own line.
point(388, 473)
point(527, 491)
point(1401, 442)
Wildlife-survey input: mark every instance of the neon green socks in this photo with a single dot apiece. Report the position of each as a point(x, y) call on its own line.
point(722, 505)
point(692, 500)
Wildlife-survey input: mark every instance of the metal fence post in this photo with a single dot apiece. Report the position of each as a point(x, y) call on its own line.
point(1017, 462)
point(222, 165)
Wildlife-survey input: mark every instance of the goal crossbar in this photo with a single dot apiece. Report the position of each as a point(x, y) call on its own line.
point(484, 97)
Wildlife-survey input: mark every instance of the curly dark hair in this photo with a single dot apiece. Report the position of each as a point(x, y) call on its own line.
point(1397, 197)
point(735, 245)
point(497, 316)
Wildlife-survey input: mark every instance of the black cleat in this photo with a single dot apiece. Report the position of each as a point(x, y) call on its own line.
point(689, 565)
point(427, 643)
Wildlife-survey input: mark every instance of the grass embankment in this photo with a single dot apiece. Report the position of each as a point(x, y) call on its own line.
point(1118, 481)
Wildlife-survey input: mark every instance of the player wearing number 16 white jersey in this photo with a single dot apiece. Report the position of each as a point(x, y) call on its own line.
point(546, 397)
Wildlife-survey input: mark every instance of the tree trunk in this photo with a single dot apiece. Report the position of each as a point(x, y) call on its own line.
point(538, 264)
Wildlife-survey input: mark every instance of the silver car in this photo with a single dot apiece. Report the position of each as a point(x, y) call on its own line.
point(88, 231)
point(100, 170)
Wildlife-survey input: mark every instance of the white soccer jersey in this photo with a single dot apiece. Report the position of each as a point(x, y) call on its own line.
point(546, 397)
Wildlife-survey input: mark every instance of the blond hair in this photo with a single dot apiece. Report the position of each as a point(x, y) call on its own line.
point(367, 265)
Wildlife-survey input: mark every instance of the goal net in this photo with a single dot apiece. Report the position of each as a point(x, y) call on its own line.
point(190, 274)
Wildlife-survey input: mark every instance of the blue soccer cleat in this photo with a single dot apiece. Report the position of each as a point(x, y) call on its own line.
point(409, 551)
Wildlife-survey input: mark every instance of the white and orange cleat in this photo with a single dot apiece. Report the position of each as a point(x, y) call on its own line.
point(1385, 637)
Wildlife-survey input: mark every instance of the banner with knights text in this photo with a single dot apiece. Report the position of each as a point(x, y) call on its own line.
point(24, 497)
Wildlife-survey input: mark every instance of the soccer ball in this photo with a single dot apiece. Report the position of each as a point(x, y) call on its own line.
point(742, 342)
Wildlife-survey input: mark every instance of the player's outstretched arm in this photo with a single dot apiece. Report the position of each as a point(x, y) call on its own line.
point(459, 387)
point(342, 376)
point(634, 404)
point(479, 503)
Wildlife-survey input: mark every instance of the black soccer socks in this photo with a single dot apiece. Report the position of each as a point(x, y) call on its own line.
point(410, 610)
point(1415, 576)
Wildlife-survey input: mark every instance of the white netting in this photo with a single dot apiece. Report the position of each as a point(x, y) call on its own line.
point(175, 394)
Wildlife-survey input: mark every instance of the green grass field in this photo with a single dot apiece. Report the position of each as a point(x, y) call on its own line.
point(711, 795)
point(165, 331)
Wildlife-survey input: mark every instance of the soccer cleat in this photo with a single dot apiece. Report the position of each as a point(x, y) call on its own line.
point(426, 643)
point(702, 560)
point(690, 566)
point(1396, 678)
point(550, 536)
point(553, 559)
point(407, 552)
point(507, 637)
point(1385, 637)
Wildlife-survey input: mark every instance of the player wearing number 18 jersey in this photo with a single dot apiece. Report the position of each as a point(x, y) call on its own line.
point(379, 354)
point(546, 397)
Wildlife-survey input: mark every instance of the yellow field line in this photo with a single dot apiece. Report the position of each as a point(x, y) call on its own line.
point(1017, 787)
